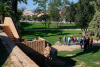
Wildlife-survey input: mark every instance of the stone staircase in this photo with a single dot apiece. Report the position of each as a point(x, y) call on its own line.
point(8, 31)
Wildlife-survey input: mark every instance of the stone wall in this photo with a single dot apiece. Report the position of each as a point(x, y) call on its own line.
point(19, 58)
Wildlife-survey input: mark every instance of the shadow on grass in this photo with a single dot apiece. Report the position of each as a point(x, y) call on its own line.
point(27, 24)
point(69, 27)
point(62, 61)
point(93, 50)
point(43, 33)
point(69, 62)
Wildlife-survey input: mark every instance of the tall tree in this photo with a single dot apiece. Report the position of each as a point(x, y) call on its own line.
point(43, 5)
point(53, 10)
point(94, 25)
point(62, 6)
point(71, 12)
point(14, 4)
point(84, 15)
point(38, 10)
point(3, 10)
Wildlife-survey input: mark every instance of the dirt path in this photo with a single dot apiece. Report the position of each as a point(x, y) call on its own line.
point(71, 47)
point(65, 48)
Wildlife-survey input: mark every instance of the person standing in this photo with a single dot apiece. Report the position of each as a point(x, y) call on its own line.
point(71, 39)
point(77, 38)
point(64, 40)
point(59, 40)
point(74, 41)
point(81, 43)
point(68, 41)
point(88, 42)
point(91, 42)
point(85, 45)
point(84, 39)
point(81, 38)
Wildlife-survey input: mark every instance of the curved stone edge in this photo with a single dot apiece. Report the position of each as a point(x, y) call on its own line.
point(19, 58)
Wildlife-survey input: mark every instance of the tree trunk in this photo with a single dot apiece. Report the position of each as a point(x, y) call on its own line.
point(48, 26)
point(2, 18)
point(57, 24)
point(45, 24)
point(60, 25)
point(83, 32)
point(14, 6)
point(86, 32)
point(70, 21)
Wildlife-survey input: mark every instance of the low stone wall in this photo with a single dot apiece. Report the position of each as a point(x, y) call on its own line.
point(38, 50)
point(19, 58)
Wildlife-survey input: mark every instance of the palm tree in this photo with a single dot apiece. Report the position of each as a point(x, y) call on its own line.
point(15, 3)
point(3, 10)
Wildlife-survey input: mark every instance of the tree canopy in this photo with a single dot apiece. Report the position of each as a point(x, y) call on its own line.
point(94, 25)
point(85, 12)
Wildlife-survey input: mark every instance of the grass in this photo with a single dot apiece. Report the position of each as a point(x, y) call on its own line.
point(89, 58)
point(51, 36)
point(34, 25)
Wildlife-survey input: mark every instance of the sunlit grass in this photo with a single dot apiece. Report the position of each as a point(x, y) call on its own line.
point(34, 25)
point(51, 36)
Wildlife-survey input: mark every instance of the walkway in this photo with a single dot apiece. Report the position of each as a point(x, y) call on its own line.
point(48, 29)
point(71, 47)
point(65, 48)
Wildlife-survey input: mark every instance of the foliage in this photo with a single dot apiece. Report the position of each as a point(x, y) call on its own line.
point(85, 12)
point(43, 5)
point(94, 26)
point(43, 17)
point(18, 24)
point(71, 12)
point(34, 17)
point(4, 10)
point(38, 10)
point(53, 10)
point(3, 7)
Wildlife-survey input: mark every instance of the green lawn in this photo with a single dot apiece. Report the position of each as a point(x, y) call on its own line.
point(51, 36)
point(89, 58)
point(34, 25)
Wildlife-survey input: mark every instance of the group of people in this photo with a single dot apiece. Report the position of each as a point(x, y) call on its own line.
point(70, 39)
point(87, 42)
